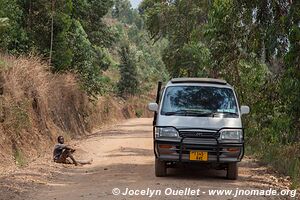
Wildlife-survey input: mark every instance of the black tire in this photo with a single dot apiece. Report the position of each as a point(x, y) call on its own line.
point(232, 171)
point(160, 168)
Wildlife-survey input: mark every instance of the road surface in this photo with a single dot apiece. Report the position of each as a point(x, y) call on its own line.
point(123, 161)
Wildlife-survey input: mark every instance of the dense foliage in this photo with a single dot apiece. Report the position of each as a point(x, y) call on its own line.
point(147, 56)
point(70, 34)
point(128, 84)
point(254, 45)
point(74, 35)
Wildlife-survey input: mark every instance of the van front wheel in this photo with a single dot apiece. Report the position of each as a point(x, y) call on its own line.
point(160, 168)
point(232, 171)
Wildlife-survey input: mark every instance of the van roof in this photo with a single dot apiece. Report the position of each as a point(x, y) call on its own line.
point(198, 80)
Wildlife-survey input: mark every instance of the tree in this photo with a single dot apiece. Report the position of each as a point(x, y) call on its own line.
point(290, 86)
point(180, 22)
point(71, 33)
point(128, 83)
point(129, 26)
point(90, 14)
point(14, 38)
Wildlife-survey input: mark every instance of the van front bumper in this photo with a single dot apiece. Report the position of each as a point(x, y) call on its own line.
point(178, 150)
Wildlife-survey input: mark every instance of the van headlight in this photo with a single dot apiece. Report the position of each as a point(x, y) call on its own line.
point(231, 135)
point(166, 132)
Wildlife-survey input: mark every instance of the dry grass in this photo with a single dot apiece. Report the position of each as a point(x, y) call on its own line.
point(36, 106)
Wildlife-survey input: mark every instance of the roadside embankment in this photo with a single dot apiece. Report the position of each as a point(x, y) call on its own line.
point(36, 106)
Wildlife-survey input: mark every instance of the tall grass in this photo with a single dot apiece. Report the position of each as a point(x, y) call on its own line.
point(283, 158)
point(36, 106)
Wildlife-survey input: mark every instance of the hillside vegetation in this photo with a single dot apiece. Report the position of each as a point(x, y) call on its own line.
point(97, 49)
point(36, 106)
point(85, 38)
point(69, 67)
point(255, 46)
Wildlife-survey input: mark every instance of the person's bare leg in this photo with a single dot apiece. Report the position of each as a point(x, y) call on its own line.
point(67, 154)
point(73, 159)
point(85, 162)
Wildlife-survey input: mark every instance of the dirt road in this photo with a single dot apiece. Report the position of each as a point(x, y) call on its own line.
point(123, 158)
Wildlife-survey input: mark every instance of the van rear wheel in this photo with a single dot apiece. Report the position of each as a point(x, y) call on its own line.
point(160, 168)
point(232, 171)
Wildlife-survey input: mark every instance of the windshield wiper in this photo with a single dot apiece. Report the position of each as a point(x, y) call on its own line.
point(199, 113)
point(189, 113)
point(225, 113)
point(176, 112)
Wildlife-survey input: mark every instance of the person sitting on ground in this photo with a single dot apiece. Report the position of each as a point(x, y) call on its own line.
point(62, 152)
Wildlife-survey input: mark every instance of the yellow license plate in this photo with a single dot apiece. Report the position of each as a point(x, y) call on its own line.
point(199, 155)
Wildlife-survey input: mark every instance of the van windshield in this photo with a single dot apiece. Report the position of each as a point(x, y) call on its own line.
point(199, 101)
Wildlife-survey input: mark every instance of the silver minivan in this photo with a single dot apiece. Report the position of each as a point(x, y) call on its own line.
point(198, 121)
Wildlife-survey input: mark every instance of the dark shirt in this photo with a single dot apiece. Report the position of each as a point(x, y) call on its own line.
point(58, 149)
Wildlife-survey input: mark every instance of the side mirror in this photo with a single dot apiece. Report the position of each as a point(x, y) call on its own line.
point(153, 107)
point(245, 110)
